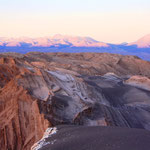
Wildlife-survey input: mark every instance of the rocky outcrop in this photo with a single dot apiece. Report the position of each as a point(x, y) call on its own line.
point(92, 63)
point(39, 90)
point(139, 81)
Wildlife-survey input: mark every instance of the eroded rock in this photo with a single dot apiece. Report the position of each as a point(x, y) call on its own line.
point(41, 90)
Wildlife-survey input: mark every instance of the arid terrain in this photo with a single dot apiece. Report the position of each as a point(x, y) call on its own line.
point(42, 90)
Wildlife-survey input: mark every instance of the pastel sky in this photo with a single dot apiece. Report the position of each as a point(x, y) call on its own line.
point(112, 21)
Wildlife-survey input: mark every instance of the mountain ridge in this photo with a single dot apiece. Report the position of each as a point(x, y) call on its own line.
point(76, 41)
point(72, 44)
point(56, 40)
point(143, 42)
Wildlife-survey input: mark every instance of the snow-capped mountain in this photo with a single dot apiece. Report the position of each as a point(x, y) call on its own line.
point(56, 40)
point(74, 44)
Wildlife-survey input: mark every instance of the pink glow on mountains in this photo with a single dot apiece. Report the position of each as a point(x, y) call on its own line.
point(53, 41)
point(144, 42)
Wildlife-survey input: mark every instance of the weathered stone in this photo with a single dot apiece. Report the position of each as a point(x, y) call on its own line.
point(39, 90)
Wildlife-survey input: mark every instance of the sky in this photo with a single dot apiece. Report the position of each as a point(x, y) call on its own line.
point(111, 21)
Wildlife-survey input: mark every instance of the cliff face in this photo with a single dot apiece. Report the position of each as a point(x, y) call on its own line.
point(21, 123)
point(39, 90)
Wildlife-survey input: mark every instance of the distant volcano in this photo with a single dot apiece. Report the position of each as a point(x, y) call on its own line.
point(144, 42)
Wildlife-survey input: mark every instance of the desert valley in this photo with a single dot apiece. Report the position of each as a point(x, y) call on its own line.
point(43, 90)
point(74, 75)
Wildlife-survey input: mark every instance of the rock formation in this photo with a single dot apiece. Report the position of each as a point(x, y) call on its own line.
point(40, 90)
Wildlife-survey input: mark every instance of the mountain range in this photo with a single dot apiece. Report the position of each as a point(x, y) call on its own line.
point(55, 41)
point(72, 44)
